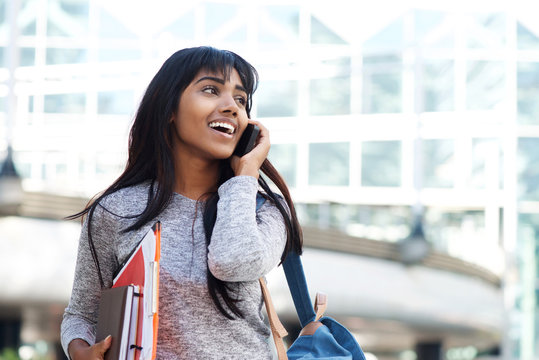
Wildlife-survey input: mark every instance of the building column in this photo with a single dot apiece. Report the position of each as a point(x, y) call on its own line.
point(10, 329)
point(429, 350)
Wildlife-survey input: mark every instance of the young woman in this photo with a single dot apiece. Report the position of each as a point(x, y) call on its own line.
point(215, 243)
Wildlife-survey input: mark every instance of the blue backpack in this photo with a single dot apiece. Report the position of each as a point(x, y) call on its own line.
point(321, 337)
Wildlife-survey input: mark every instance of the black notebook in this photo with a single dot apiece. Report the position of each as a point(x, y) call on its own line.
point(114, 319)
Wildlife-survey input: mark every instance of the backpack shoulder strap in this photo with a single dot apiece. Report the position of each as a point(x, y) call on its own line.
point(260, 200)
point(295, 277)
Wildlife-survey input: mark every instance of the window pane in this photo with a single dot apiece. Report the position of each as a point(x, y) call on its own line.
point(2, 12)
point(330, 96)
point(67, 17)
point(485, 162)
point(23, 169)
point(27, 17)
point(239, 35)
point(283, 157)
point(30, 29)
point(438, 159)
point(457, 233)
point(107, 166)
point(277, 98)
point(486, 30)
point(433, 29)
point(65, 103)
point(115, 102)
point(526, 39)
point(27, 56)
point(382, 84)
point(111, 27)
point(321, 34)
point(528, 93)
point(65, 56)
point(385, 223)
point(217, 15)
point(184, 27)
point(389, 38)
point(527, 294)
point(485, 84)
point(438, 82)
point(528, 169)
point(278, 24)
point(308, 214)
point(330, 92)
point(381, 163)
point(329, 164)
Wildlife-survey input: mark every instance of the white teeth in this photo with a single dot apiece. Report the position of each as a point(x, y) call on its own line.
point(229, 128)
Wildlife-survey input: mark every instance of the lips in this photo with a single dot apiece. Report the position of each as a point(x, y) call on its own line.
point(222, 126)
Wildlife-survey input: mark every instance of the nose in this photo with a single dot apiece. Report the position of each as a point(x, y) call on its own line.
point(229, 106)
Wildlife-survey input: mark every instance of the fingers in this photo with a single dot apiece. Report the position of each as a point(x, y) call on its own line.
point(249, 164)
point(263, 141)
point(264, 132)
point(81, 350)
point(103, 346)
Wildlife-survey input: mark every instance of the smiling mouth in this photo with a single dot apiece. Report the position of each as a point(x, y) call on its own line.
point(222, 127)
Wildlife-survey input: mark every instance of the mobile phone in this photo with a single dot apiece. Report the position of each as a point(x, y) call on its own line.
point(247, 140)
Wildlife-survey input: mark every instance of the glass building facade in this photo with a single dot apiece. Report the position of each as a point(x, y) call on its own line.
point(373, 111)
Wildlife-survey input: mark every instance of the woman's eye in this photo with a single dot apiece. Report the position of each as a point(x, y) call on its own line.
point(241, 100)
point(209, 90)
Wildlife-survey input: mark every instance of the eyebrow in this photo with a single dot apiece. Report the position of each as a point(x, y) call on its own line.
point(220, 81)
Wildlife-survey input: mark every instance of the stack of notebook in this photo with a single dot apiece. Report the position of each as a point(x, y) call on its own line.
point(129, 310)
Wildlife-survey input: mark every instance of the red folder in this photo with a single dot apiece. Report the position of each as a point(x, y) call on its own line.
point(142, 269)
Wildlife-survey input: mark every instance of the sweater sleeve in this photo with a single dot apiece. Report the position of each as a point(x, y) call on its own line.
point(80, 316)
point(245, 244)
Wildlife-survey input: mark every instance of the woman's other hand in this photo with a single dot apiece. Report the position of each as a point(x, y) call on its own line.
point(250, 163)
point(80, 350)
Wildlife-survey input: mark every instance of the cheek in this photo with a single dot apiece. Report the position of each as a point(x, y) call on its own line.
point(243, 119)
point(195, 111)
point(184, 119)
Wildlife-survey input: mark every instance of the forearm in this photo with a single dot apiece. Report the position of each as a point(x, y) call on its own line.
point(80, 316)
point(244, 246)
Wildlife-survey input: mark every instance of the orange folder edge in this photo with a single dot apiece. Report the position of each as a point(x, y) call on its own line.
point(157, 258)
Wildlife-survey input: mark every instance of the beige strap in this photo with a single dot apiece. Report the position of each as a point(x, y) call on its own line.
point(310, 328)
point(320, 305)
point(277, 329)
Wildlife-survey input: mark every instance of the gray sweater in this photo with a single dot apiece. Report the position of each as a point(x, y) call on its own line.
point(246, 244)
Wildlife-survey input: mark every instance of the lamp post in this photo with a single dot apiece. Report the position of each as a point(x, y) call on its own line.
point(10, 186)
point(415, 247)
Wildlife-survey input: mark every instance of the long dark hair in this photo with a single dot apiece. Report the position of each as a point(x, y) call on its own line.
point(151, 157)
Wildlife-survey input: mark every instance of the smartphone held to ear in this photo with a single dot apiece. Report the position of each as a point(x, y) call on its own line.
point(248, 140)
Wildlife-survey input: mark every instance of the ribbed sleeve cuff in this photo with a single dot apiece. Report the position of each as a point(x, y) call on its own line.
point(243, 185)
point(78, 330)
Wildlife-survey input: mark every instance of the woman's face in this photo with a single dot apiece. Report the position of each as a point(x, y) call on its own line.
point(211, 116)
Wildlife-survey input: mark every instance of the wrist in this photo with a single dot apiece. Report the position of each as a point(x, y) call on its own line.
point(248, 172)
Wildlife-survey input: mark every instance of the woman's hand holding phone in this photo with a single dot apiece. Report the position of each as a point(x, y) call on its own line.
point(250, 163)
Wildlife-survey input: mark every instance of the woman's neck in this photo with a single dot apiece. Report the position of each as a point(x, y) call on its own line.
point(195, 177)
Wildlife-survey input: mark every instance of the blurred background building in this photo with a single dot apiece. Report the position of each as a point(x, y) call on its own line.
point(408, 132)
